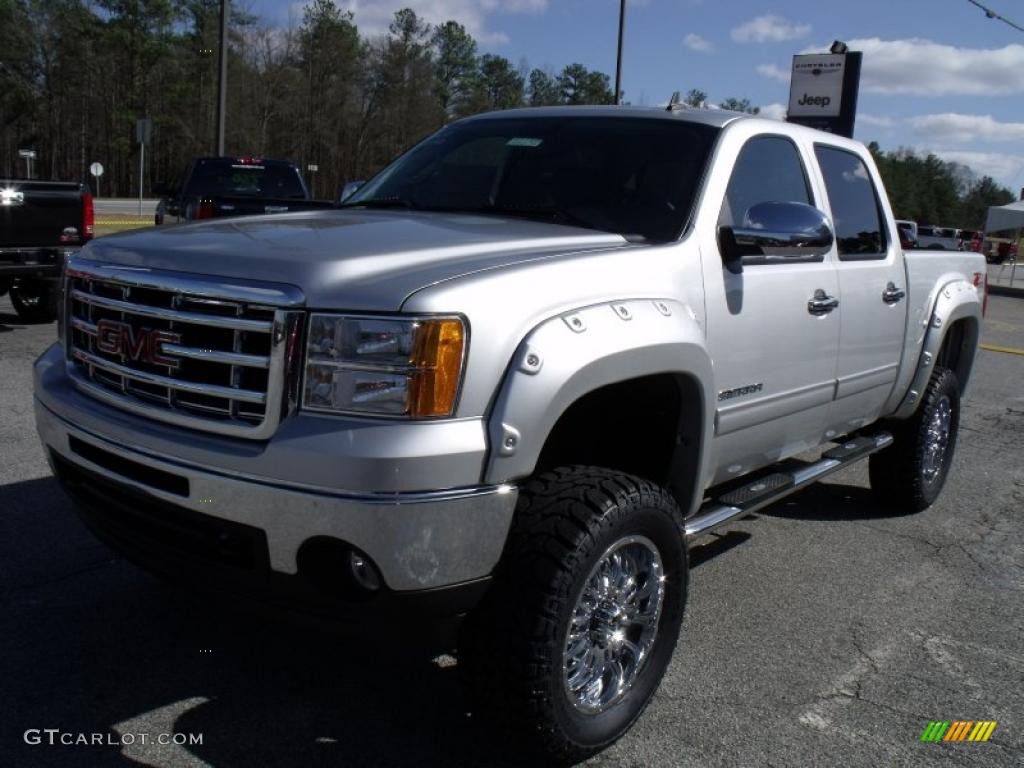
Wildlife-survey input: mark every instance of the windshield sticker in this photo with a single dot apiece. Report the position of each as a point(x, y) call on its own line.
point(524, 142)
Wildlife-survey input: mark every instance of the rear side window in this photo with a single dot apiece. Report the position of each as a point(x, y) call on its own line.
point(768, 170)
point(855, 209)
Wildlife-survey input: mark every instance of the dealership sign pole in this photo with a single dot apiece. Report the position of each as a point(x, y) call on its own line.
point(143, 133)
point(823, 90)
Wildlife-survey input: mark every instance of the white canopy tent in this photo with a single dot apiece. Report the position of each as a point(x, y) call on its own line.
point(1003, 217)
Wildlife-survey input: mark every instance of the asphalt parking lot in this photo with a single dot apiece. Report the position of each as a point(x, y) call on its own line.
point(824, 631)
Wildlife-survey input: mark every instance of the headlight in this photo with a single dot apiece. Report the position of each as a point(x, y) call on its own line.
point(384, 366)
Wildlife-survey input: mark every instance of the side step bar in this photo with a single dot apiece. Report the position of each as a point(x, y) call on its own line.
point(770, 488)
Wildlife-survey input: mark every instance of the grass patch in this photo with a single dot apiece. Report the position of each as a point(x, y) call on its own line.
point(108, 224)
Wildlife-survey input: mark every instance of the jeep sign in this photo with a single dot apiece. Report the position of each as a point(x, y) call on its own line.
point(816, 85)
point(823, 91)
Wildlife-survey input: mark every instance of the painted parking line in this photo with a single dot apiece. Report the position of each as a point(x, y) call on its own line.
point(1007, 350)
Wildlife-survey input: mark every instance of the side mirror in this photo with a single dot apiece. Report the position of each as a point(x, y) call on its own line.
point(776, 231)
point(349, 189)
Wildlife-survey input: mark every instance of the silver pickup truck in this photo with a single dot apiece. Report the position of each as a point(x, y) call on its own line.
point(511, 380)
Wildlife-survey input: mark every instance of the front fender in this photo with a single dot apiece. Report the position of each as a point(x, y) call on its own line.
point(573, 354)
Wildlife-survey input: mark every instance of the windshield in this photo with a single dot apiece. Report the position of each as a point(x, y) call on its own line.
point(633, 176)
point(223, 178)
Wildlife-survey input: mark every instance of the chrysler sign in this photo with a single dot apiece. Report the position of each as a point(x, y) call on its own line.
point(816, 85)
point(823, 91)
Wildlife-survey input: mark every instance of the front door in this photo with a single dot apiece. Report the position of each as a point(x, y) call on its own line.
point(771, 333)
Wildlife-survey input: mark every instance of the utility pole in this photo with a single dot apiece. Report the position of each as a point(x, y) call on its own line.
point(222, 81)
point(618, 60)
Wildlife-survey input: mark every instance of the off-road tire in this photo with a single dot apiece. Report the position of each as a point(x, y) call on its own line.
point(898, 473)
point(511, 646)
point(35, 301)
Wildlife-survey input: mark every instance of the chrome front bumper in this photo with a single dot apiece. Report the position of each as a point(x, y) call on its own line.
point(418, 540)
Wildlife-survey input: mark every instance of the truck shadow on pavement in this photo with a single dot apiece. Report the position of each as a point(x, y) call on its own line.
point(92, 645)
point(9, 322)
point(832, 501)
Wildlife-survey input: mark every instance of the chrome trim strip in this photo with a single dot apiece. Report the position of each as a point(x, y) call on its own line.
point(177, 316)
point(202, 286)
point(206, 355)
point(212, 390)
point(177, 418)
point(217, 356)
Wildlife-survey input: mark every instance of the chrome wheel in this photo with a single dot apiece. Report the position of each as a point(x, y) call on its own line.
point(613, 624)
point(937, 439)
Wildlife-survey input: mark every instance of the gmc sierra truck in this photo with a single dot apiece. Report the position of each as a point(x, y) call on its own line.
point(511, 380)
point(41, 224)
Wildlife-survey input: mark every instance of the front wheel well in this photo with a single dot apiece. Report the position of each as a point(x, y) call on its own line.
point(650, 426)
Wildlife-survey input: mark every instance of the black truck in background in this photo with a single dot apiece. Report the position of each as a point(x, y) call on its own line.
point(212, 187)
point(41, 224)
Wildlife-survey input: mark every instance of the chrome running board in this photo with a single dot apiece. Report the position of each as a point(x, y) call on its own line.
point(767, 489)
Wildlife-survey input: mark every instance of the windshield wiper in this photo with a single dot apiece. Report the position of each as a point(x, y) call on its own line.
point(381, 202)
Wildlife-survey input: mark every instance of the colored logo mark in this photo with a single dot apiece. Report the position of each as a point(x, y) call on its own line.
point(959, 730)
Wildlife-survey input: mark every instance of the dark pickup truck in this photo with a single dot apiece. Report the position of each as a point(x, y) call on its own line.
point(42, 223)
point(213, 187)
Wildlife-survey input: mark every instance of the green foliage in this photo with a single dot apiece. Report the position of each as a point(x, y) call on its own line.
point(497, 85)
point(544, 90)
point(739, 105)
point(578, 85)
point(695, 98)
point(455, 65)
point(929, 190)
point(75, 75)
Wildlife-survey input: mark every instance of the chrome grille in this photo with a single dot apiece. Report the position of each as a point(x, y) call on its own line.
point(215, 357)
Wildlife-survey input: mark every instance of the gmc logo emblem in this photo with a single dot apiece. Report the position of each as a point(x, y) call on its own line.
point(144, 344)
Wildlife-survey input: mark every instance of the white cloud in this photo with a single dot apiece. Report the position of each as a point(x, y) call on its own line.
point(1006, 169)
point(769, 29)
point(959, 128)
point(698, 43)
point(774, 111)
point(773, 72)
point(875, 121)
point(515, 6)
point(373, 16)
point(925, 68)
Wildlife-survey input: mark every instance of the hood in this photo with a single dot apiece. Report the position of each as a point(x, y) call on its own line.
point(360, 260)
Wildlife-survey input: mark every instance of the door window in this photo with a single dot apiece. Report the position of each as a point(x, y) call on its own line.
point(768, 170)
point(856, 213)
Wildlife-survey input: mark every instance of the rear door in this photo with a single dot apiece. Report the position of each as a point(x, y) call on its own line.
point(872, 281)
point(774, 359)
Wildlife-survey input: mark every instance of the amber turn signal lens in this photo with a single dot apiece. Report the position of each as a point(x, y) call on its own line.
point(437, 365)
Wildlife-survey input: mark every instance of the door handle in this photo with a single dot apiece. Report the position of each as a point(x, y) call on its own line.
point(892, 294)
point(822, 303)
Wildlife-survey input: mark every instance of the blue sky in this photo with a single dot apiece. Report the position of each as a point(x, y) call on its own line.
point(938, 75)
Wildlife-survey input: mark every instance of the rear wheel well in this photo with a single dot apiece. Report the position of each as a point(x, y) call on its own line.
point(957, 351)
point(649, 426)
